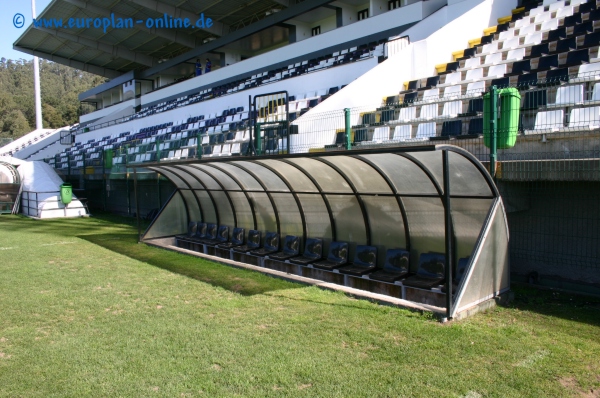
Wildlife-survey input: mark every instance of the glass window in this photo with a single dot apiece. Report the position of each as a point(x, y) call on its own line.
point(172, 220)
point(349, 220)
point(387, 225)
point(425, 217)
point(490, 272)
point(192, 204)
point(433, 162)
point(265, 214)
point(289, 215)
point(465, 178)
point(224, 209)
point(316, 216)
point(243, 210)
point(468, 217)
point(208, 209)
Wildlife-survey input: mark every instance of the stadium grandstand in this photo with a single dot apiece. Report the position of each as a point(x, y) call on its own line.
point(381, 117)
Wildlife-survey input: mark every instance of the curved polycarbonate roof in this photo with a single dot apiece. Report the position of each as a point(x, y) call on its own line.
point(392, 198)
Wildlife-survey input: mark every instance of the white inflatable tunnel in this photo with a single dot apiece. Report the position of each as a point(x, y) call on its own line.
point(40, 196)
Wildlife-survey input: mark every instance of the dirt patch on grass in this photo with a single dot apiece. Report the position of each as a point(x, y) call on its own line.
point(575, 389)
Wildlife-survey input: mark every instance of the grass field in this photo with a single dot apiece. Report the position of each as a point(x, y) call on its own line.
point(87, 311)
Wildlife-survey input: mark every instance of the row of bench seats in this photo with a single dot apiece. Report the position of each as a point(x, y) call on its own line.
point(430, 273)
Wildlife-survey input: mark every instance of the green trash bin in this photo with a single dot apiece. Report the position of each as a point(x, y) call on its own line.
point(66, 193)
point(508, 118)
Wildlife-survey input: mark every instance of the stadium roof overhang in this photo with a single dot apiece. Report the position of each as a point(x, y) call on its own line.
point(147, 50)
point(422, 199)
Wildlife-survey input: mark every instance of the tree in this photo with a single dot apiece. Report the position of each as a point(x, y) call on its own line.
point(15, 124)
point(60, 86)
point(52, 118)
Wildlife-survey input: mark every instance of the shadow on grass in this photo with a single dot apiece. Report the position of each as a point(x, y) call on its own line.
point(240, 281)
point(584, 309)
point(120, 236)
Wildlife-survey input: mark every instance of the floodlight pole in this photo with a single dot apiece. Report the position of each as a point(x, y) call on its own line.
point(36, 83)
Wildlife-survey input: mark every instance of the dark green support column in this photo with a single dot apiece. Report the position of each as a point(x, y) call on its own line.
point(137, 204)
point(198, 147)
point(127, 188)
point(158, 189)
point(348, 129)
point(493, 130)
point(258, 140)
point(104, 157)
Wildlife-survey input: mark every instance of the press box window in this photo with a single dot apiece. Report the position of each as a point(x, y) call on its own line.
point(364, 14)
point(315, 31)
point(393, 4)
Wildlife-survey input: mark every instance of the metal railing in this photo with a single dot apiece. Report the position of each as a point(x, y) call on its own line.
point(30, 206)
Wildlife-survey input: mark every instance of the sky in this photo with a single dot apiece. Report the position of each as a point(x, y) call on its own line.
point(8, 32)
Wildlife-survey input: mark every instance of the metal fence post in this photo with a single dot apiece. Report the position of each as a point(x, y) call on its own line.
point(493, 129)
point(199, 146)
point(348, 129)
point(258, 140)
point(104, 179)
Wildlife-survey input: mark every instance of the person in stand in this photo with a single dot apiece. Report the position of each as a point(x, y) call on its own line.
point(198, 67)
point(208, 66)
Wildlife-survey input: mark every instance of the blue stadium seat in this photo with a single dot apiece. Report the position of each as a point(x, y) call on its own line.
point(430, 272)
point(252, 243)
point(271, 245)
point(313, 251)
point(237, 239)
point(395, 266)
point(337, 257)
point(291, 248)
point(365, 261)
point(451, 128)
